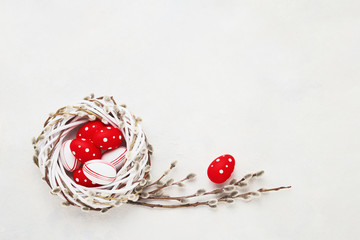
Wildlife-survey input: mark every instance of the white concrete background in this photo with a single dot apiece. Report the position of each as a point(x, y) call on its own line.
point(275, 83)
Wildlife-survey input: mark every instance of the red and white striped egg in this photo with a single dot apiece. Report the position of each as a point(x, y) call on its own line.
point(115, 157)
point(99, 171)
point(68, 160)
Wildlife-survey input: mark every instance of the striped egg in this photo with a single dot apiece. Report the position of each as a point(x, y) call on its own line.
point(116, 157)
point(99, 171)
point(68, 160)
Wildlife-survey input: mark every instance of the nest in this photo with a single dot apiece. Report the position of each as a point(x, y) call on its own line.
point(60, 127)
point(133, 180)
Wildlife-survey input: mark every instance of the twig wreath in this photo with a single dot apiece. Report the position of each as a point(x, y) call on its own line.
point(133, 184)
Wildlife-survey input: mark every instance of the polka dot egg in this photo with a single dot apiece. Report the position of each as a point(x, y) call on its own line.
point(108, 138)
point(84, 150)
point(89, 129)
point(80, 178)
point(221, 168)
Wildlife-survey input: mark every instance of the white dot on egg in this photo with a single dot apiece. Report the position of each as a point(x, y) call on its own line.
point(86, 128)
point(79, 171)
point(119, 136)
point(79, 134)
point(221, 171)
point(110, 148)
point(211, 165)
point(105, 139)
point(101, 146)
point(87, 150)
point(76, 179)
point(230, 160)
point(85, 180)
point(79, 146)
point(94, 154)
point(226, 166)
point(114, 137)
point(73, 152)
point(108, 127)
point(79, 159)
point(93, 126)
point(101, 130)
point(218, 160)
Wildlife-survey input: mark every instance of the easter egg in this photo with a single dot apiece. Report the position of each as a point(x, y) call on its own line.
point(108, 138)
point(80, 178)
point(115, 157)
point(68, 160)
point(84, 150)
point(221, 168)
point(99, 171)
point(89, 129)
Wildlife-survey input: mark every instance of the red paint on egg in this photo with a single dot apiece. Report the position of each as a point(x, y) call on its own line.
point(221, 168)
point(108, 138)
point(80, 178)
point(84, 150)
point(89, 129)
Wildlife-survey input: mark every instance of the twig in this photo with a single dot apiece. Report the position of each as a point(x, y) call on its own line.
point(167, 185)
point(168, 206)
point(195, 204)
point(273, 189)
point(218, 190)
point(162, 176)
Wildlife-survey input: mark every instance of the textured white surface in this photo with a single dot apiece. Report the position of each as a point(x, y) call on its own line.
point(275, 83)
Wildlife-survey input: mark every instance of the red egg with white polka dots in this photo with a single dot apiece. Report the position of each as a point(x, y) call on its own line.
point(221, 168)
point(89, 129)
point(84, 150)
point(80, 178)
point(108, 138)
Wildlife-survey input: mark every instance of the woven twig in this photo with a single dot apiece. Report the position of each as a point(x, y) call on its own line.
point(57, 129)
